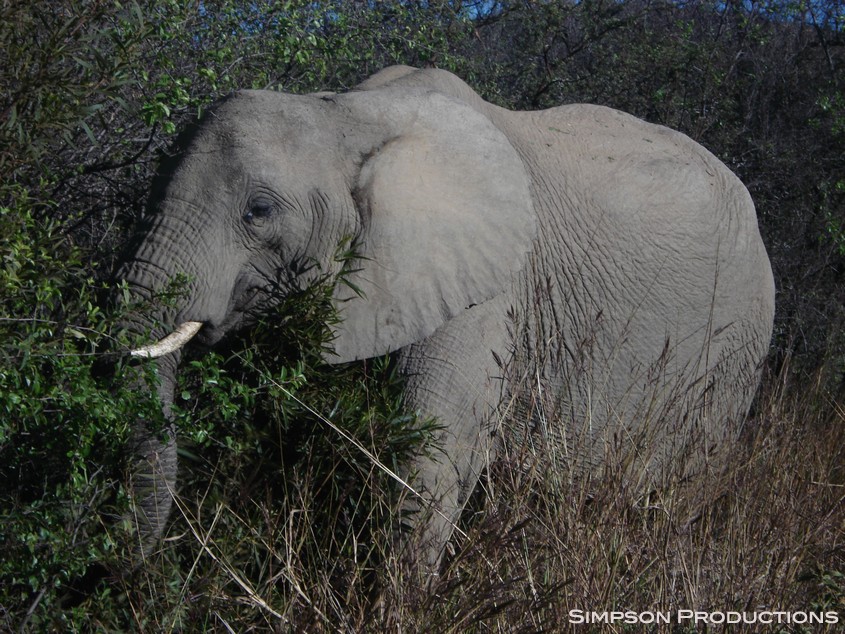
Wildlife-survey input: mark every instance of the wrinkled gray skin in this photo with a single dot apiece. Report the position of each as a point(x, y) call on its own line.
point(577, 266)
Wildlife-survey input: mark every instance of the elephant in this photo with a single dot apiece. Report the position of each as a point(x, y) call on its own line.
point(601, 278)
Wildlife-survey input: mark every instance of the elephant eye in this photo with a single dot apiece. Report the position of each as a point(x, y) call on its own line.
point(259, 210)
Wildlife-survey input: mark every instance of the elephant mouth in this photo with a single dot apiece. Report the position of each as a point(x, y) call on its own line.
point(244, 310)
point(241, 312)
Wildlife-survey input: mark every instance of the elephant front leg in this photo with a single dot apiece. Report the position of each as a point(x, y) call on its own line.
point(454, 376)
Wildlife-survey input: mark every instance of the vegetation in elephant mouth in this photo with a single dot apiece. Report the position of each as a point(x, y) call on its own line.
point(267, 391)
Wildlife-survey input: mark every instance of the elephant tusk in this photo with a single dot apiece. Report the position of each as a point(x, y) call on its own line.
point(171, 343)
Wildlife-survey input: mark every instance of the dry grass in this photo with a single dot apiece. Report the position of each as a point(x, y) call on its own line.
point(764, 532)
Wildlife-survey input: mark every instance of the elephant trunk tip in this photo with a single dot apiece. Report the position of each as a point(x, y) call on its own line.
point(171, 343)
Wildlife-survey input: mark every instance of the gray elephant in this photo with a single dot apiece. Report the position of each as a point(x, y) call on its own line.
point(601, 278)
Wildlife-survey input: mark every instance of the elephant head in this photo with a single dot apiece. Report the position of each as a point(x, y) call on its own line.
point(263, 190)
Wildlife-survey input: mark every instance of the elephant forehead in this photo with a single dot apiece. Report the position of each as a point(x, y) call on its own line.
point(253, 107)
point(260, 123)
point(231, 156)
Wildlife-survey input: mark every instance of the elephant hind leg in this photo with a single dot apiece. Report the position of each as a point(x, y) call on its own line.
point(454, 376)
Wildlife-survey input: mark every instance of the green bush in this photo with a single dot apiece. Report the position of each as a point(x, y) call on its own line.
point(62, 428)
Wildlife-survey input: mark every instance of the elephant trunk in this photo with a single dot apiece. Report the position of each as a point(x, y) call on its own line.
point(162, 252)
point(153, 456)
point(153, 468)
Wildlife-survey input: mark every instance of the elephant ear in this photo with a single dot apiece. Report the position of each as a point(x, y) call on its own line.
point(446, 214)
